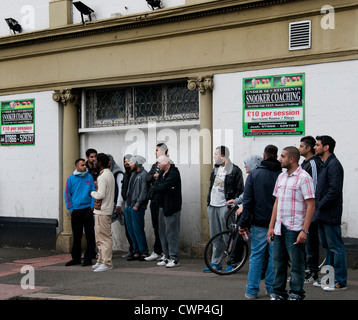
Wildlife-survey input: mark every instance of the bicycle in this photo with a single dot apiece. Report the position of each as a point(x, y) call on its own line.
point(235, 249)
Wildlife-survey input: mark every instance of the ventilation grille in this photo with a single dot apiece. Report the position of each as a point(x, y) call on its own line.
point(300, 35)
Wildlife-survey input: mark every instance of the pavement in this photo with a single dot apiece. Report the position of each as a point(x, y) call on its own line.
point(31, 274)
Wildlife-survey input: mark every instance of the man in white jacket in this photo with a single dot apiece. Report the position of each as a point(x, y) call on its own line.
point(103, 209)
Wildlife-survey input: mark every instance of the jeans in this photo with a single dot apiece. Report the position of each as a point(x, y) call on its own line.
point(217, 223)
point(83, 219)
point(259, 244)
point(335, 250)
point(135, 227)
point(169, 228)
point(283, 251)
point(312, 248)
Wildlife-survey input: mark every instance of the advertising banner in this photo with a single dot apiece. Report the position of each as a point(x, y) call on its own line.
point(274, 105)
point(17, 122)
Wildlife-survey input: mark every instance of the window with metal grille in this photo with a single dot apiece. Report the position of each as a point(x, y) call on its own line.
point(300, 35)
point(140, 104)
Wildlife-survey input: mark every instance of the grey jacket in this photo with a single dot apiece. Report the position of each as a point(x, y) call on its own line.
point(139, 190)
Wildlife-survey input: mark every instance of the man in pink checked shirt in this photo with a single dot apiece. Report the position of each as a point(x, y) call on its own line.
point(291, 217)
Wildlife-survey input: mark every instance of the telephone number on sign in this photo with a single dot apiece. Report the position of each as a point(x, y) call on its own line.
point(17, 138)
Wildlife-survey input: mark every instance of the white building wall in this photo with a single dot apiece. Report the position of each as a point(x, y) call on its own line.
point(183, 146)
point(330, 108)
point(29, 177)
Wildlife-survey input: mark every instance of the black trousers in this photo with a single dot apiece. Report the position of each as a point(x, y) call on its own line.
point(83, 219)
point(154, 211)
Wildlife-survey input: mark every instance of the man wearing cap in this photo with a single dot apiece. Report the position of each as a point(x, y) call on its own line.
point(136, 204)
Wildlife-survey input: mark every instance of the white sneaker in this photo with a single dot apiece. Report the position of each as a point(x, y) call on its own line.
point(95, 266)
point(172, 264)
point(102, 268)
point(162, 263)
point(161, 257)
point(152, 257)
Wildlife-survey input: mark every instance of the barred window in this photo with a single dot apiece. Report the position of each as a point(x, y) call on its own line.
point(141, 104)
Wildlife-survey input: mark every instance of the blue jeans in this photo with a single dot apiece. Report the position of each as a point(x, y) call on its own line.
point(135, 227)
point(335, 250)
point(259, 245)
point(284, 250)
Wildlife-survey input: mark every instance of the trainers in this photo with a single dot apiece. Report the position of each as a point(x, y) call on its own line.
point(162, 263)
point(214, 266)
point(95, 266)
point(102, 268)
point(338, 286)
point(294, 296)
point(161, 257)
point(250, 297)
point(172, 264)
point(152, 257)
point(275, 296)
point(127, 255)
point(229, 268)
point(311, 276)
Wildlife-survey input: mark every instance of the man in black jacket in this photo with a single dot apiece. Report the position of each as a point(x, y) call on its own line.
point(312, 164)
point(226, 183)
point(329, 207)
point(257, 209)
point(168, 188)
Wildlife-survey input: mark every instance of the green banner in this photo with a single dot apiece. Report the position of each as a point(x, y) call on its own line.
point(17, 122)
point(274, 105)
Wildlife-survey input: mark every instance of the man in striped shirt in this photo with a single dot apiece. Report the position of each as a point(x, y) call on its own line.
point(312, 164)
point(291, 217)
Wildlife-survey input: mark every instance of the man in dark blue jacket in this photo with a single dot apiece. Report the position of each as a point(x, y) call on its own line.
point(329, 207)
point(257, 209)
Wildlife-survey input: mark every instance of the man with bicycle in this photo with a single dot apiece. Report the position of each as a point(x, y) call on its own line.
point(226, 183)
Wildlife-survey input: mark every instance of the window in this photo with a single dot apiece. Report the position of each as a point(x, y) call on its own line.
point(140, 104)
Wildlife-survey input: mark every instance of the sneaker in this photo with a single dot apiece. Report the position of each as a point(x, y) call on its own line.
point(102, 268)
point(161, 257)
point(250, 297)
point(229, 268)
point(95, 266)
point(127, 255)
point(172, 264)
point(162, 263)
point(311, 276)
point(275, 296)
point(294, 296)
point(338, 286)
point(319, 284)
point(214, 266)
point(153, 256)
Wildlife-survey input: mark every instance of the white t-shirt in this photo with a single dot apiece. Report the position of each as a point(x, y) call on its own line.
point(217, 196)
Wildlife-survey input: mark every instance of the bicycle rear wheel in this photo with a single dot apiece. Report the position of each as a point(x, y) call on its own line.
point(233, 257)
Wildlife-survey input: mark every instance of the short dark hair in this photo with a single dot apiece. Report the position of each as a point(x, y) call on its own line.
point(293, 152)
point(89, 151)
point(103, 159)
point(163, 146)
point(78, 160)
point(327, 140)
point(271, 151)
point(309, 141)
point(224, 151)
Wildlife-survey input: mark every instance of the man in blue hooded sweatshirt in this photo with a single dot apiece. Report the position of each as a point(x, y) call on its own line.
point(80, 204)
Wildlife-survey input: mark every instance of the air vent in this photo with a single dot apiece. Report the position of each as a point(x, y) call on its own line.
point(300, 35)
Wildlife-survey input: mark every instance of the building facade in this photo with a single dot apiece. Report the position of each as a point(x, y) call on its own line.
point(131, 77)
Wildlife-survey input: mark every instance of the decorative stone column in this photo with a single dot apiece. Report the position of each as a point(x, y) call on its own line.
point(69, 99)
point(205, 85)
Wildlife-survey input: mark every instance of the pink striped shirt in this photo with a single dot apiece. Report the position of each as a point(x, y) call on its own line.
point(292, 191)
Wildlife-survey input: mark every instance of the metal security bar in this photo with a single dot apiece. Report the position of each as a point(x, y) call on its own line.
point(141, 104)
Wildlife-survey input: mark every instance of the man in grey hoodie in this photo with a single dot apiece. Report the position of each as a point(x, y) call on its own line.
point(136, 204)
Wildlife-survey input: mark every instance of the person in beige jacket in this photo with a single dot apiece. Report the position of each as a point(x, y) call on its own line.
point(103, 209)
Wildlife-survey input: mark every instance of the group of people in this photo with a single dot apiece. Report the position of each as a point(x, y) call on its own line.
point(99, 193)
point(288, 213)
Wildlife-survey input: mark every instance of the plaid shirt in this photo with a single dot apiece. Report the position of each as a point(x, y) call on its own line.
point(292, 191)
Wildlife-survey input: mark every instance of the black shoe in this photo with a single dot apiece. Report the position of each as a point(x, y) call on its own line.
point(72, 263)
point(86, 263)
point(133, 258)
point(142, 257)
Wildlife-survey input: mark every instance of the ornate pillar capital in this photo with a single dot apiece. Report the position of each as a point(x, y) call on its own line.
point(66, 95)
point(204, 84)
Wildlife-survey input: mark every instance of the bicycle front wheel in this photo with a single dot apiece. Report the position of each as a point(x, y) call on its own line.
point(232, 254)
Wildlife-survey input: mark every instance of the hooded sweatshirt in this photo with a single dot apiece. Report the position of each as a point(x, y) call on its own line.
point(78, 191)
